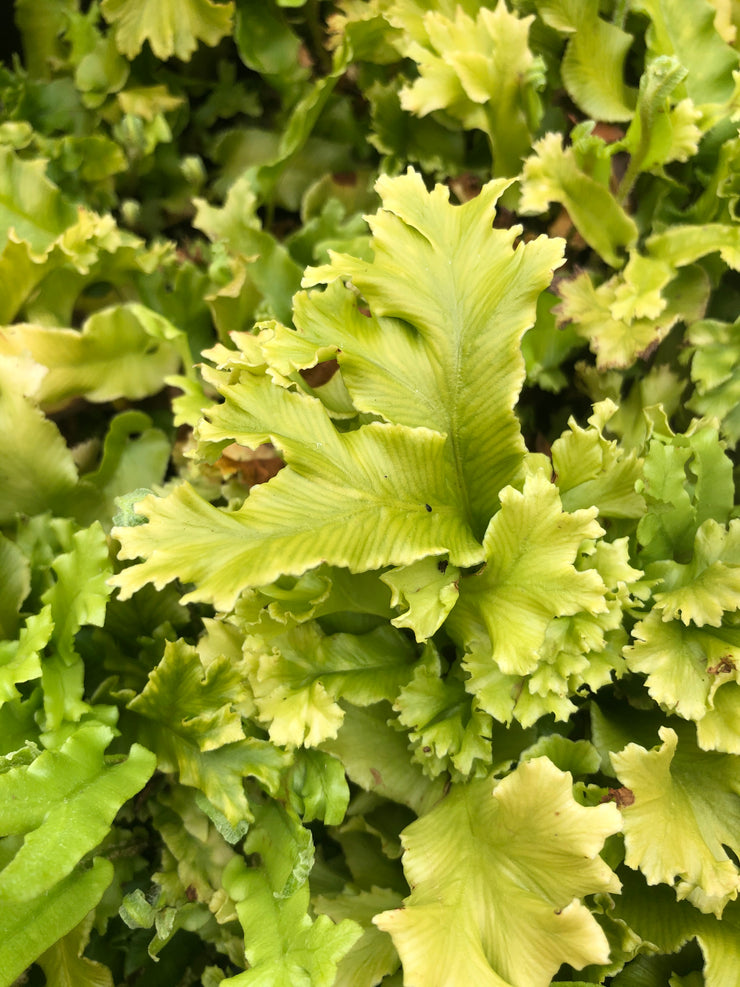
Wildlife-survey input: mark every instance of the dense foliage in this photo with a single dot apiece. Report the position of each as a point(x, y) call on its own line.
point(369, 548)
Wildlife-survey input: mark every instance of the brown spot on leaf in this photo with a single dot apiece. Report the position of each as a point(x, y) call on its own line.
point(190, 893)
point(320, 374)
point(622, 797)
point(723, 666)
point(377, 776)
point(345, 178)
point(249, 466)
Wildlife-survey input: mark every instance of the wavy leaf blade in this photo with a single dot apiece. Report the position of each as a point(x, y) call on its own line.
point(377, 496)
point(475, 856)
point(63, 804)
point(469, 295)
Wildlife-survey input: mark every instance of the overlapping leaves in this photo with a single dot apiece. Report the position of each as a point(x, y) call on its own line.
point(57, 807)
point(191, 720)
point(386, 492)
point(415, 602)
point(385, 467)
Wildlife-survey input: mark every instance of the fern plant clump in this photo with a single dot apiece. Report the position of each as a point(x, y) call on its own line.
point(369, 536)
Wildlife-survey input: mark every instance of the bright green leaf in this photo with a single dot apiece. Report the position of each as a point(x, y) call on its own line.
point(709, 586)
point(375, 757)
point(627, 317)
point(687, 480)
point(590, 470)
point(577, 756)
point(446, 729)
point(552, 174)
point(288, 690)
point(297, 676)
point(20, 659)
point(399, 362)
point(31, 207)
point(428, 590)
point(383, 520)
point(373, 955)
point(15, 582)
point(529, 577)
point(686, 30)
point(402, 500)
point(118, 353)
point(191, 719)
point(510, 861)
point(318, 787)
point(715, 372)
point(284, 947)
point(172, 27)
point(29, 482)
point(63, 803)
point(30, 928)
point(479, 70)
point(657, 135)
point(670, 788)
point(593, 64)
point(693, 672)
point(79, 595)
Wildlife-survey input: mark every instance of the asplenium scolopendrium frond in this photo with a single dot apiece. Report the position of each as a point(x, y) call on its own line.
point(410, 460)
point(432, 372)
